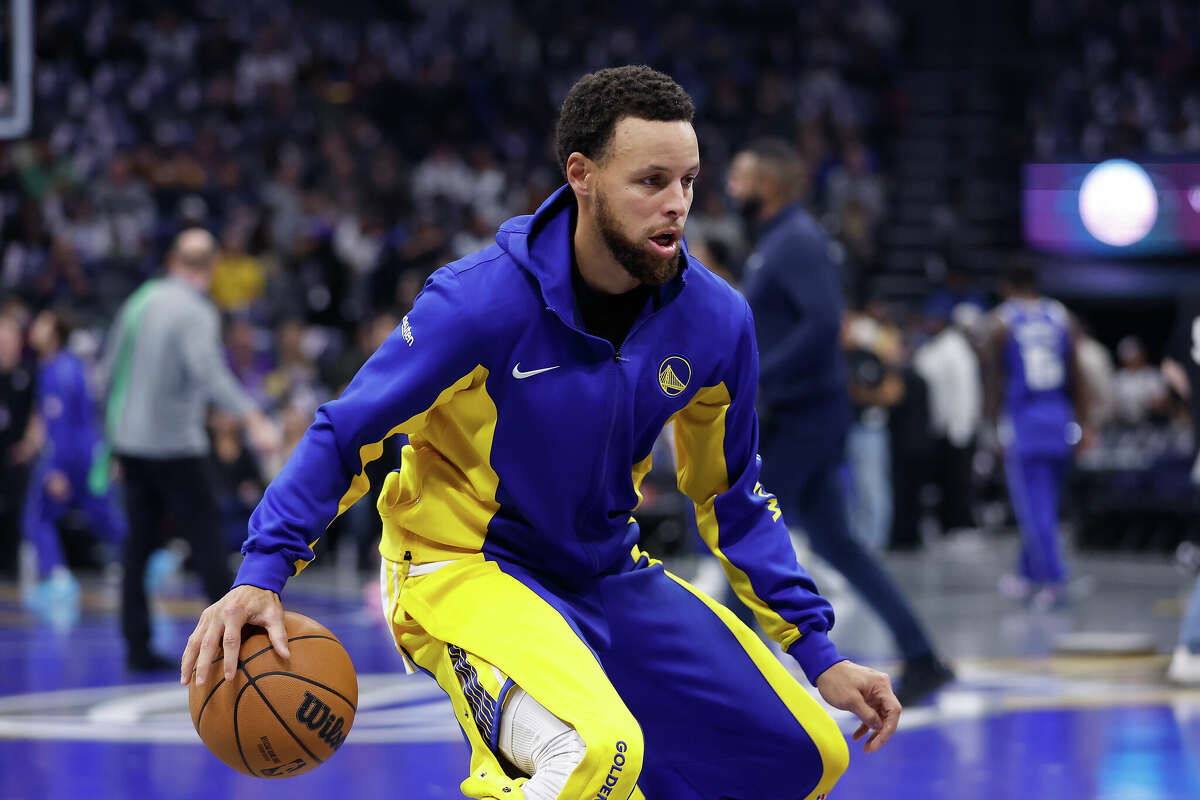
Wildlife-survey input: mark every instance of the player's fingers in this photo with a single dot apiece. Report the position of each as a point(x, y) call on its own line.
point(188, 660)
point(890, 712)
point(278, 635)
point(208, 646)
point(862, 730)
point(861, 709)
point(231, 643)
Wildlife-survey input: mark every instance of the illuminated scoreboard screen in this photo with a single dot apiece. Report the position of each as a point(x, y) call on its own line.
point(1116, 207)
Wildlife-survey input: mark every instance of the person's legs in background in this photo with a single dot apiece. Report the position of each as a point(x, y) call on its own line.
point(818, 505)
point(955, 470)
point(189, 492)
point(1034, 486)
point(55, 595)
point(1185, 663)
point(13, 480)
point(869, 454)
point(144, 511)
point(106, 517)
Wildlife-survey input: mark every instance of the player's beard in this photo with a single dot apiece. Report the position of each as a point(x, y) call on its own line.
point(648, 268)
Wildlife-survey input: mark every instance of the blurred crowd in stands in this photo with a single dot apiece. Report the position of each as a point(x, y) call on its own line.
point(1121, 77)
point(342, 152)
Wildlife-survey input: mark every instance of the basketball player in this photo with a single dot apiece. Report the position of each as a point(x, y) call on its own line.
point(62, 480)
point(532, 379)
point(1036, 395)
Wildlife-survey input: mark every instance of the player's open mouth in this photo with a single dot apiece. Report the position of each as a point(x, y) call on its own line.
point(665, 244)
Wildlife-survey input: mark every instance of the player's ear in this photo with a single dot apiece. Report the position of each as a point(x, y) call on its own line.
point(580, 173)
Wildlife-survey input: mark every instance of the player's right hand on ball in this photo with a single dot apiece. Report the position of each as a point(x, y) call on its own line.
point(220, 630)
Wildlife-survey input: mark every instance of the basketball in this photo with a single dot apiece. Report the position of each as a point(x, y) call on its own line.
point(278, 718)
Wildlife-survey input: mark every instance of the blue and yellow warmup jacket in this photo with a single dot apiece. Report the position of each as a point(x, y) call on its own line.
point(529, 438)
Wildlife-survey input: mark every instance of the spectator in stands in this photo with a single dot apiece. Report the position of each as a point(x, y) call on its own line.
point(247, 353)
point(238, 277)
point(1096, 369)
point(853, 182)
point(912, 444)
point(873, 350)
point(239, 480)
point(295, 376)
point(1139, 392)
point(19, 439)
point(951, 369)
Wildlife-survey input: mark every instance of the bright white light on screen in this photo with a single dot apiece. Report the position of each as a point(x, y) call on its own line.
point(1117, 202)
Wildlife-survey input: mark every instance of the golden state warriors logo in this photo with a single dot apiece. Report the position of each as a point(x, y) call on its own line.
point(674, 373)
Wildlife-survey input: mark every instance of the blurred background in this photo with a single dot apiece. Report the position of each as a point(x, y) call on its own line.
point(340, 152)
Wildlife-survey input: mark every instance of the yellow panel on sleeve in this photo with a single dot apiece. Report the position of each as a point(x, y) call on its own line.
point(361, 484)
point(440, 503)
point(703, 475)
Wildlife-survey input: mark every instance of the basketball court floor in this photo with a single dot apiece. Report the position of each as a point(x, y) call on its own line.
point(1025, 720)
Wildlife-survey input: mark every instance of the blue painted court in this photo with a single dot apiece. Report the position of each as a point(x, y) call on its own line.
point(1020, 723)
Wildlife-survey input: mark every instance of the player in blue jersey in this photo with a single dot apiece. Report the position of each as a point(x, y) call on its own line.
point(532, 379)
point(64, 478)
point(1037, 398)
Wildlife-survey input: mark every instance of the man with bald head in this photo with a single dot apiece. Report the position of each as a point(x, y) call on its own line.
point(164, 366)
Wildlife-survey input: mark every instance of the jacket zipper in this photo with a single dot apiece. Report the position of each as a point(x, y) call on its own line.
point(618, 359)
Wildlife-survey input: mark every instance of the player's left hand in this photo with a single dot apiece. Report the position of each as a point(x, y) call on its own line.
point(867, 694)
point(58, 485)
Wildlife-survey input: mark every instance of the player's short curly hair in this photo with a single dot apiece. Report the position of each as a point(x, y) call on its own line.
point(601, 99)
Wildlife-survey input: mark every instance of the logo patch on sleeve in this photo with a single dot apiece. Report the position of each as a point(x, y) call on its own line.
point(406, 330)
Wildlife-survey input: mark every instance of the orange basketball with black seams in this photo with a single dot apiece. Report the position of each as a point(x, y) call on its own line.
point(279, 718)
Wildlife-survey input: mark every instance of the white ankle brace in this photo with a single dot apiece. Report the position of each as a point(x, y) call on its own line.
point(538, 743)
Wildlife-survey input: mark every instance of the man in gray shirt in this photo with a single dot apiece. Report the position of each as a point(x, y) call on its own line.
point(164, 366)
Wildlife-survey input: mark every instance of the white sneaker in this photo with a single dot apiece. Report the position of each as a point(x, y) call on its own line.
point(1014, 587)
point(1184, 668)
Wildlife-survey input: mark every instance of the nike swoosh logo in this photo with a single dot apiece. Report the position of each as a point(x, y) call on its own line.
point(521, 375)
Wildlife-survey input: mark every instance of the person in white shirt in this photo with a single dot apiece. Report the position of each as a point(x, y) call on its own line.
point(1139, 390)
point(950, 367)
point(1096, 367)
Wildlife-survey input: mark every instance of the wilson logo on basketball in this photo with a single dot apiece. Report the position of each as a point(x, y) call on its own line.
point(315, 714)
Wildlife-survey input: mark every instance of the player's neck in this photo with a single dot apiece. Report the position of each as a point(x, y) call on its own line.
point(600, 271)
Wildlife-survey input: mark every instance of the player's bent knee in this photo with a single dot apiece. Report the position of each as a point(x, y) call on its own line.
point(602, 757)
point(613, 758)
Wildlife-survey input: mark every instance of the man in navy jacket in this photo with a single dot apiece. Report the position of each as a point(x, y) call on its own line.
point(792, 286)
